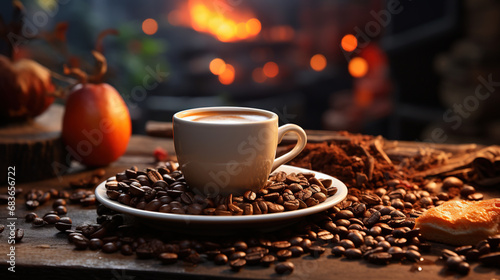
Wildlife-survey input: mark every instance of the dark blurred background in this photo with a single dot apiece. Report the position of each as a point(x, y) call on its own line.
point(407, 70)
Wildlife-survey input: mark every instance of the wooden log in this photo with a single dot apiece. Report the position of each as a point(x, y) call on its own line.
point(33, 147)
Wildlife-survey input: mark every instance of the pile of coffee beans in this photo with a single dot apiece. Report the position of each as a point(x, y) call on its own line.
point(165, 190)
point(487, 252)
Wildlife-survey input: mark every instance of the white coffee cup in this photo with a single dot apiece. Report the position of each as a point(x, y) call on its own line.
point(224, 150)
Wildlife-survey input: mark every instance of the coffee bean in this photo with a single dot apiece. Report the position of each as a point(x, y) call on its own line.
point(296, 251)
point(51, 219)
point(316, 250)
point(18, 234)
point(95, 244)
point(452, 182)
point(63, 225)
point(32, 204)
point(220, 259)
point(109, 247)
point(284, 267)
point(380, 258)
point(338, 251)
point(267, 260)
point(490, 259)
point(168, 258)
point(80, 242)
point(413, 255)
point(283, 255)
point(61, 210)
point(353, 253)
point(475, 196)
point(280, 245)
point(30, 217)
point(356, 237)
point(237, 264)
point(38, 222)
point(2, 228)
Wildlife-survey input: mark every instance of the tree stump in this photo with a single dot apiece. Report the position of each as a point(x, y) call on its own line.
point(35, 148)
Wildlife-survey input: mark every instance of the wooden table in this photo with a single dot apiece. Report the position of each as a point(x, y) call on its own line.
point(45, 253)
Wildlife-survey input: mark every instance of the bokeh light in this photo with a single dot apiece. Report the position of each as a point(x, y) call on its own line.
point(217, 66)
point(358, 67)
point(349, 43)
point(149, 26)
point(318, 62)
point(253, 26)
point(227, 77)
point(271, 69)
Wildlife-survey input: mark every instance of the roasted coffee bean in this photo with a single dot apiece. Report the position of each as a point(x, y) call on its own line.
point(296, 251)
point(61, 210)
point(280, 245)
point(353, 253)
point(109, 247)
point(126, 250)
point(316, 250)
point(30, 217)
point(237, 255)
point(168, 258)
point(380, 258)
point(38, 222)
point(396, 252)
point(346, 243)
point(51, 219)
point(32, 204)
point(344, 214)
point(413, 255)
point(80, 242)
point(373, 219)
point(490, 259)
point(2, 228)
point(237, 264)
point(283, 255)
point(18, 234)
point(267, 260)
point(254, 258)
point(250, 196)
point(95, 244)
point(63, 224)
point(452, 182)
point(220, 259)
point(338, 251)
point(284, 267)
point(475, 196)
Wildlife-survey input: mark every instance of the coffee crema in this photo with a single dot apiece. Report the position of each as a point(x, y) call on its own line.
point(226, 117)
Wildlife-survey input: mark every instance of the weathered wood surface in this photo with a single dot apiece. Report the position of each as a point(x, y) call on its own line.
point(46, 253)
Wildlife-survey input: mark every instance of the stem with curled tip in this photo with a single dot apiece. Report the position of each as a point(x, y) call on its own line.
point(101, 36)
point(101, 67)
point(77, 72)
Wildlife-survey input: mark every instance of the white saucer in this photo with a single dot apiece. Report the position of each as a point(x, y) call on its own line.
point(213, 224)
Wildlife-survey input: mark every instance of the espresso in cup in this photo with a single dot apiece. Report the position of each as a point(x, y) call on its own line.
point(224, 150)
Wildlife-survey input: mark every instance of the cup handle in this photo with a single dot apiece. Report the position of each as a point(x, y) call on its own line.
point(301, 143)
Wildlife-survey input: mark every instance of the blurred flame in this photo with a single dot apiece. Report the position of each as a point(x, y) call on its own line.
point(227, 77)
point(358, 67)
point(349, 42)
point(225, 23)
point(318, 62)
point(270, 69)
point(217, 66)
point(149, 26)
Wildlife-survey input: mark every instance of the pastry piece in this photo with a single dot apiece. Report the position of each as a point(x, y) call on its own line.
point(460, 222)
